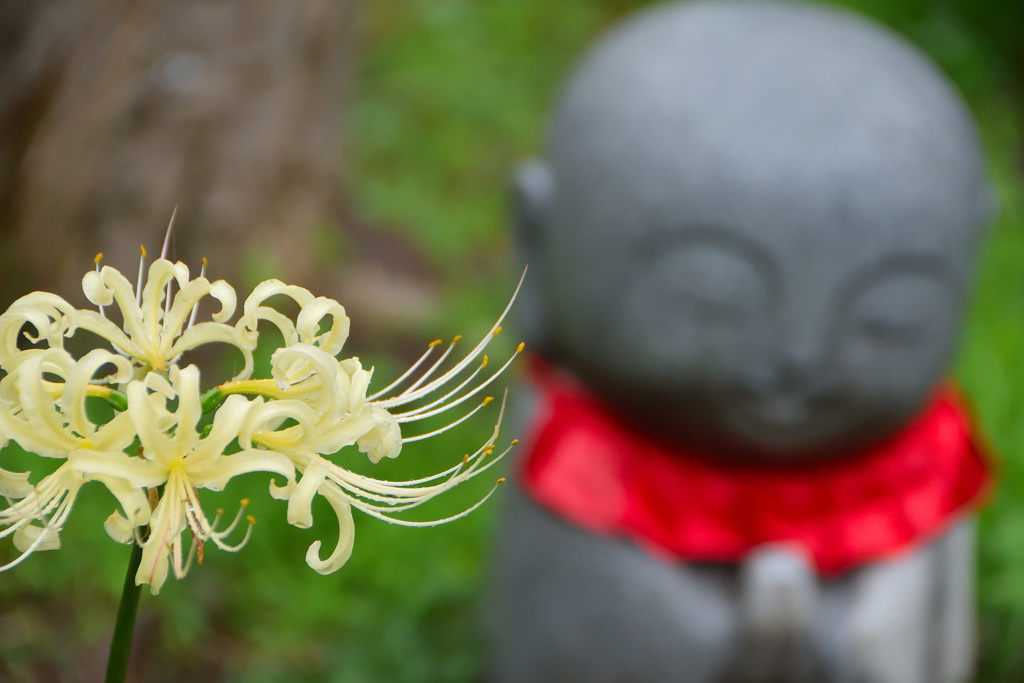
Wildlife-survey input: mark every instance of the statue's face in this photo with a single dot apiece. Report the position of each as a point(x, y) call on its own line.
point(783, 332)
point(739, 269)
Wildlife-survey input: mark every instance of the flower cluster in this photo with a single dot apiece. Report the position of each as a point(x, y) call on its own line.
point(167, 440)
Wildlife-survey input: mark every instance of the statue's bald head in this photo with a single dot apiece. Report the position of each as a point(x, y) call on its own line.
point(756, 204)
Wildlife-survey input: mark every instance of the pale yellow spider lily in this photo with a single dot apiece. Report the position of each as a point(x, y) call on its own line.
point(175, 454)
point(42, 408)
point(164, 440)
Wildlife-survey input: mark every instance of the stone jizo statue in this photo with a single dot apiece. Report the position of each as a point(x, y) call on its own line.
point(751, 242)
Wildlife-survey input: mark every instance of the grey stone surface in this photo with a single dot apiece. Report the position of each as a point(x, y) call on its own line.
point(753, 234)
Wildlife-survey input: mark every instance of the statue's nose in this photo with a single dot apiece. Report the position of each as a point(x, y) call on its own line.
point(800, 362)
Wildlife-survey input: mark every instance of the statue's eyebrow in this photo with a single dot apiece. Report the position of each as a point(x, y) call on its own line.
point(659, 239)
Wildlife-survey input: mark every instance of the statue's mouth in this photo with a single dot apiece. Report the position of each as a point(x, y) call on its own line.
point(788, 421)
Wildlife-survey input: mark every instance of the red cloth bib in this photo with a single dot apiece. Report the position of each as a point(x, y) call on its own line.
point(591, 469)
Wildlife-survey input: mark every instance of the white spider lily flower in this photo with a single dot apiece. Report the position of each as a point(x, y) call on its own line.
point(48, 416)
point(157, 320)
point(42, 408)
point(158, 317)
point(49, 315)
point(307, 326)
point(156, 327)
point(154, 456)
point(324, 403)
point(37, 520)
point(345, 489)
point(177, 455)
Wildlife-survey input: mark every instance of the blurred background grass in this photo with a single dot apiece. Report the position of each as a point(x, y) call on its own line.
point(447, 95)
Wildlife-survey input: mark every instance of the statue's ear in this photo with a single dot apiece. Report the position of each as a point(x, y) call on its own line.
point(531, 195)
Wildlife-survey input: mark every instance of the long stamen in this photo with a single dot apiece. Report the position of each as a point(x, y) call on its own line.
point(97, 260)
point(419, 415)
point(40, 539)
point(138, 285)
point(462, 365)
point(400, 496)
point(223, 533)
point(419, 390)
point(426, 374)
point(430, 349)
point(441, 430)
point(411, 414)
point(434, 522)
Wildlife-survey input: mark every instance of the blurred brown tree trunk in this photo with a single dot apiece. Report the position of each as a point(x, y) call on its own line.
point(112, 112)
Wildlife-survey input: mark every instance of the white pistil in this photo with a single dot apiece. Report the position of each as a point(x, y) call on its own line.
point(163, 255)
point(167, 235)
point(195, 308)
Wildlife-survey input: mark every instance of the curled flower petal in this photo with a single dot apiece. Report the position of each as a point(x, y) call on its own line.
point(119, 528)
point(14, 484)
point(346, 533)
point(384, 439)
point(30, 538)
point(52, 317)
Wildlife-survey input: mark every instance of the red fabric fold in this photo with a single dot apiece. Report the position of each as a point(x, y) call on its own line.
point(588, 467)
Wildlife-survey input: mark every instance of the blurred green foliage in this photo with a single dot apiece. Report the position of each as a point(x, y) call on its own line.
point(448, 95)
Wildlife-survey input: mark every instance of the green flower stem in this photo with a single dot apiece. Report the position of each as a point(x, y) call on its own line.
point(211, 400)
point(268, 388)
point(124, 627)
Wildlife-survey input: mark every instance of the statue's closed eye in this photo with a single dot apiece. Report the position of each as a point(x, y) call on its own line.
point(710, 280)
point(897, 311)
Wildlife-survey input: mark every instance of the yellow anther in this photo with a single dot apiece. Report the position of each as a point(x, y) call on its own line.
point(500, 481)
point(250, 519)
point(456, 338)
point(488, 450)
point(497, 331)
point(488, 400)
point(244, 502)
point(465, 459)
point(514, 442)
point(522, 345)
point(143, 250)
point(434, 343)
point(98, 258)
point(484, 363)
point(205, 262)
point(220, 511)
